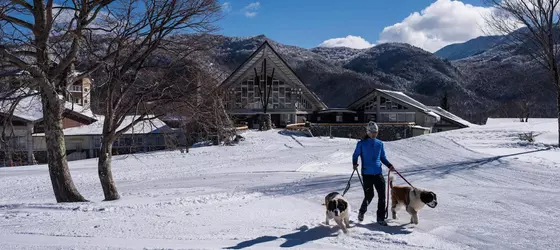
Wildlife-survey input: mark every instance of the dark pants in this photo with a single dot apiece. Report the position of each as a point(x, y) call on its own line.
point(377, 181)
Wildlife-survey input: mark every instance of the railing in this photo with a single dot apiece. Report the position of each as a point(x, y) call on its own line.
point(75, 88)
point(364, 124)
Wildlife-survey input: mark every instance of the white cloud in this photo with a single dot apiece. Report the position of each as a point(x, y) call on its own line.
point(355, 42)
point(251, 9)
point(442, 23)
point(226, 7)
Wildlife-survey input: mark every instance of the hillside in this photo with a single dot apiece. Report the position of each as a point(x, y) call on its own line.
point(503, 72)
point(470, 48)
point(341, 75)
point(487, 80)
point(484, 77)
point(266, 193)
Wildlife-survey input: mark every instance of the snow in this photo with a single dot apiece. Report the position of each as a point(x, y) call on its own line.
point(494, 192)
point(545, 129)
point(96, 128)
point(442, 112)
point(30, 108)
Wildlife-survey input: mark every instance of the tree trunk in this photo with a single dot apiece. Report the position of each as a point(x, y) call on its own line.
point(266, 122)
point(63, 186)
point(558, 112)
point(105, 173)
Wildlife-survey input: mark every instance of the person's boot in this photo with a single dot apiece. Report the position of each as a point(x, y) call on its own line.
point(361, 216)
point(381, 222)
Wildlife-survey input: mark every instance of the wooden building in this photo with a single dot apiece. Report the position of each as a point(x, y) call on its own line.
point(84, 141)
point(290, 101)
point(26, 120)
point(386, 106)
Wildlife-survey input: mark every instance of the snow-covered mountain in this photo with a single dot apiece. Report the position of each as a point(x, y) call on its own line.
point(480, 75)
point(341, 75)
point(501, 71)
point(469, 48)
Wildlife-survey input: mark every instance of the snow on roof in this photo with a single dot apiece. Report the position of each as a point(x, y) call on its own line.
point(96, 128)
point(442, 112)
point(420, 127)
point(331, 110)
point(410, 101)
point(30, 108)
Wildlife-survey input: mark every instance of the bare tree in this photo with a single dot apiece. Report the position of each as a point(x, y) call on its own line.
point(524, 106)
point(207, 120)
point(539, 34)
point(201, 115)
point(444, 103)
point(142, 47)
point(31, 42)
point(264, 90)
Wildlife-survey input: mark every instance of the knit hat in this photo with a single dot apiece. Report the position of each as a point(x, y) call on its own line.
point(372, 127)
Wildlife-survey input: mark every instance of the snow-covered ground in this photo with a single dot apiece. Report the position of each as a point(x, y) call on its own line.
point(494, 192)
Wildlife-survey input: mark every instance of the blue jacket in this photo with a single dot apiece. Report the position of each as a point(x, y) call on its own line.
point(372, 153)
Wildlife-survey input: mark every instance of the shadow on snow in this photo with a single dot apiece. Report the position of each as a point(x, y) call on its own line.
point(306, 234)
point(326, 184)
point(302, 236)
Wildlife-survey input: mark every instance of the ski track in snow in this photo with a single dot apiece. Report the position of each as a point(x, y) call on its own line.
point(494, 192)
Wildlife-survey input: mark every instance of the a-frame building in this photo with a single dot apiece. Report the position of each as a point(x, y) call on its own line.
point(265, 75)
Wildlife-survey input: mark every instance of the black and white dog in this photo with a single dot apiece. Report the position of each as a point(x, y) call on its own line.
point(337, 208)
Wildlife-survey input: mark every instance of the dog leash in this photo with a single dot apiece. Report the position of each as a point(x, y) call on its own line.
point(389, 189)
point(403, 178)
point(348, 184)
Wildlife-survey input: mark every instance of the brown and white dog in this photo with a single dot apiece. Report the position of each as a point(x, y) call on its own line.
point(337, 208)
point(413, 199)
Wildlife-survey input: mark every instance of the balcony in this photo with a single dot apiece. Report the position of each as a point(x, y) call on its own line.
point(75, 89)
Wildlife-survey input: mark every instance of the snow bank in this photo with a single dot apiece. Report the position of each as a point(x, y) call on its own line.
point(266, 193)
point(546, 129)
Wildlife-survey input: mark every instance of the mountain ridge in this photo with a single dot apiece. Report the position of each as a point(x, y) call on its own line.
point(340, 75)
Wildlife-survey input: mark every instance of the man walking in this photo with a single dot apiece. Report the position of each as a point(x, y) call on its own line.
point(372, 153)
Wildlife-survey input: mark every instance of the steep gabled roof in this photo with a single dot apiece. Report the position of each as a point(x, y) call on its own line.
point(451, 117)
point(261, 52)
point(400, 96)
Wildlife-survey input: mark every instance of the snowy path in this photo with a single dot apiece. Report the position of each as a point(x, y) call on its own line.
point(266, 193)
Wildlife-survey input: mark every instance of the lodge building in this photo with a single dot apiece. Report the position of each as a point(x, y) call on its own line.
point(290, 101)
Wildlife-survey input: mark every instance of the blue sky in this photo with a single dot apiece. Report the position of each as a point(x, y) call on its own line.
point(356, 23)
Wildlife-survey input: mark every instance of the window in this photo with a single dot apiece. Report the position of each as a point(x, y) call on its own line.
point(410, 117)
point(384, 117)
point(429, 119)
point(355, 118)
point(85, 89)
point(97, 141)
point(383, 103)
point(75, 88)
point(338, 118)
point(393, 117)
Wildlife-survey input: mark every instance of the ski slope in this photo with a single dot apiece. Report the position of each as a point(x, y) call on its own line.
point(494, 192)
